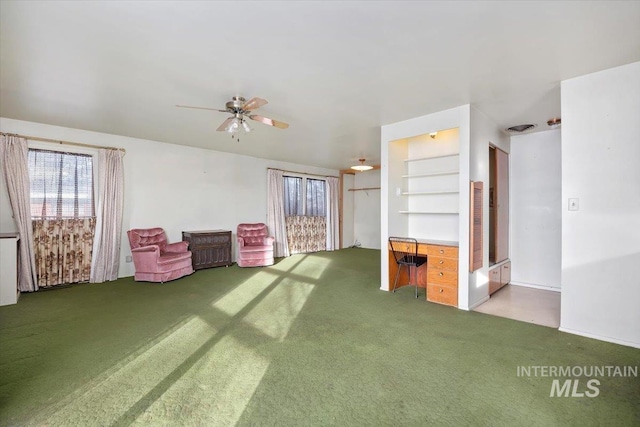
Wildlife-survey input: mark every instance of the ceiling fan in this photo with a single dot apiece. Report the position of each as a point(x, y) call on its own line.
point(241, 109)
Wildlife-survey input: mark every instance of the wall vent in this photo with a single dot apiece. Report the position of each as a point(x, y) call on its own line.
point(520, 128)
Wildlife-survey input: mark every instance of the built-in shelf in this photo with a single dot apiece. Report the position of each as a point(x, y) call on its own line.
point(431, 157)
point(428, 193)
point(428, 212)
point(424, 175)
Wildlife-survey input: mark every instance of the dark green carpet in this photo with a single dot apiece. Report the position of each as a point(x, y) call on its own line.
point(309, 341)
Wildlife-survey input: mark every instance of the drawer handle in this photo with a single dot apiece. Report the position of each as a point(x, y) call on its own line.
point(441, 251)
point(441, 290)
point(441, 261)
point(441, 273)
point(506, 267)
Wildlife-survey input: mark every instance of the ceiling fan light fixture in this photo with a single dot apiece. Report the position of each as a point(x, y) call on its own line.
point(233, 125)
point(246, 126)
point(361, 167)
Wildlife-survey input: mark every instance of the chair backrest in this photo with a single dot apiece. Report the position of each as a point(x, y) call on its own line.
point(253, 233)
point(141, 237)
point(405, 249)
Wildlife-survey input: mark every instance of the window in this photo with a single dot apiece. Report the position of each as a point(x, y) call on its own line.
point(61, 184)
point(316, 199)
point(304, 196)
point(293, 196)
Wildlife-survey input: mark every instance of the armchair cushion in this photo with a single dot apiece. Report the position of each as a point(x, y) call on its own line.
point(154, 259)
point(255, 246)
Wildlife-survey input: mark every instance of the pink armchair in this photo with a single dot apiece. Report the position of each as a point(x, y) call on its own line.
point(156, 260)
point(255, 246)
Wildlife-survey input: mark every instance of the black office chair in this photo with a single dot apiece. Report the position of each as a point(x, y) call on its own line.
point(405, 252)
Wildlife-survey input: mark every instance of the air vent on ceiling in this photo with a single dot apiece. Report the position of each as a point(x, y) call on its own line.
point(520, 128)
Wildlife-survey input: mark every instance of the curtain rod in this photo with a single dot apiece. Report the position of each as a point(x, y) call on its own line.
point(58, 141)
point(303, 173)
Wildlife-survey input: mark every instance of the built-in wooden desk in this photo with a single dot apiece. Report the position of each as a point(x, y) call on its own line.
point(439, 276)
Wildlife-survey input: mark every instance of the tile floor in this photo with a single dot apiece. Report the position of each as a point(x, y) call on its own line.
point(525, 304)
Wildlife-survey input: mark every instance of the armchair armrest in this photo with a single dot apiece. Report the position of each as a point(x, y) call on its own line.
point(268, 240)
point(150, 248)
point(145, 259)
point(240, 242)
point(177, 247)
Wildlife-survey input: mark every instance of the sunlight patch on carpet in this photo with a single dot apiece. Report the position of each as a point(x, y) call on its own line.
point(214, 392)
point(108, 398)
point(244, 293)
point(277, 311)
point(312, 269)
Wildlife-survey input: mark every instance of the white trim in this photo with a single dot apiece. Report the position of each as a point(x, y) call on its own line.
point(600, 337)
point(482, 301)
point(531, 285)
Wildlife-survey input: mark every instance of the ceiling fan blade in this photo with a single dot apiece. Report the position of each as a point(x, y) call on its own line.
point(270, 122)
point(224, 124)
point(201, 108)
point(254, 103)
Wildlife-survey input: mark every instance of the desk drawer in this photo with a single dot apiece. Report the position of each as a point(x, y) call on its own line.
point(442, 277)
point(443, 263)
point(442, 251)
point(442, 294)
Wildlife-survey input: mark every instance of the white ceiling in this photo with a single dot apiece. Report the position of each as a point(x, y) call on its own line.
point(336, 71)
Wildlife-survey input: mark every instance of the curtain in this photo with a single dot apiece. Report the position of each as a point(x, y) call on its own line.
point(333, 216)
point(275, 212)
point(14, 157)
point(106, 259)
point(63, 250)
point(306, 234)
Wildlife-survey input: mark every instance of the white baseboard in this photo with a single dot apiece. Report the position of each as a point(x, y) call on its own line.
point(531, 285)
point(600, 337)
point(482, 301)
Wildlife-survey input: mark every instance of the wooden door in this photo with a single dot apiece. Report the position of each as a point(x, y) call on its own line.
point(501, 250)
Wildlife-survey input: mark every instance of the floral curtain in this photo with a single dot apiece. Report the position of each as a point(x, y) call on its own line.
point(306, 233)
point(63, 250)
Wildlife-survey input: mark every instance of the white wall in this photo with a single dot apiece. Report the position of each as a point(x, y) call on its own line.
point(172, 186)
point(483, 131)
point(366, 216)
point(601, 241)
point(535, 194)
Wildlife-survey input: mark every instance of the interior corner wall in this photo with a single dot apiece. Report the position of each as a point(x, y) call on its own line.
point(601, 240)
point(484, 132)
point(535, 196)
point(175, 187)
point(366, 205)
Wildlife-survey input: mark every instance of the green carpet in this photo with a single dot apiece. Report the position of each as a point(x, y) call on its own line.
point(310, 341)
